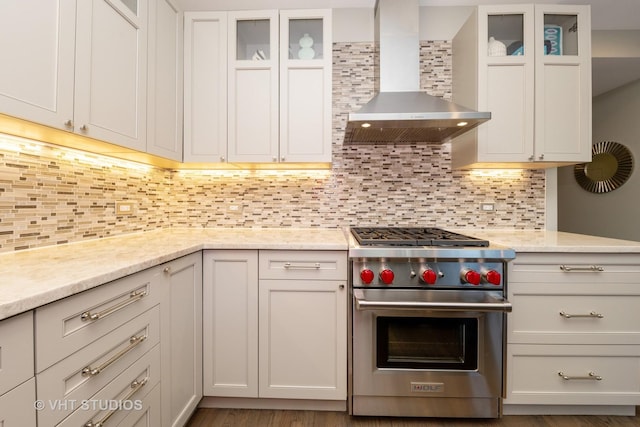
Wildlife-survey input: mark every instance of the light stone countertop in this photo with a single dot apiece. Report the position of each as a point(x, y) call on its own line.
point(35, 277)
point(553, 241)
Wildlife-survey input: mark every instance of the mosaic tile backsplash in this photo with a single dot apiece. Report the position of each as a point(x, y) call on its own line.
point(50, 195)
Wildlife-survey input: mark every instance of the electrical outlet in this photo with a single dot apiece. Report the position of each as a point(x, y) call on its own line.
point(124, 208)
point(234, 209)
point(487, 207)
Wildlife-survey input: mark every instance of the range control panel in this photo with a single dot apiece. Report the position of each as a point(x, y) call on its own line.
point(427, 273)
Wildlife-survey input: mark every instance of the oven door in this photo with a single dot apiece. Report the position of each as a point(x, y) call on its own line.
point(428, 343)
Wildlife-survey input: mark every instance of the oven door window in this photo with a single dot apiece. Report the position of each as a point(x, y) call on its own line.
point(427, 343)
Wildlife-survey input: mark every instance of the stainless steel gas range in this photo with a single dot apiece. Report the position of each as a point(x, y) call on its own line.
point(427, 323)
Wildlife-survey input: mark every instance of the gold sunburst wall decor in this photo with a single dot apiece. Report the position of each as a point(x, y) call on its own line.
point(611, 166)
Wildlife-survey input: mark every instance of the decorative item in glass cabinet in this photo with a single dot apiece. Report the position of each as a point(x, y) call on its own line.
point(306, 50)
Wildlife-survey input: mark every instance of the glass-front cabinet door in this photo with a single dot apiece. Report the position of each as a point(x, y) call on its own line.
point(305, 85)
point(253, 86)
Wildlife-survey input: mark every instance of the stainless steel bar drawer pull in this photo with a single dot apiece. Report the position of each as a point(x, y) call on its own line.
point(290, 266)
point(594, 268)
point(133, 297)
point(133, 342)
point(590, 376)
point(135, 386)
point(592, 314)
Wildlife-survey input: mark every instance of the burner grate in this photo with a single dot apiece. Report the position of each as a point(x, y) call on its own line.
point(413, 236)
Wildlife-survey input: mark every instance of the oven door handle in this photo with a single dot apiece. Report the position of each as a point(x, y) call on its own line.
point(496, 306)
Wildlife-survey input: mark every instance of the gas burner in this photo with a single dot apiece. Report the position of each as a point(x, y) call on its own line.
point(413, 236)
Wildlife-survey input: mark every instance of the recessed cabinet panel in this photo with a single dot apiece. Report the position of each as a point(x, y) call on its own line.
point(562, 131)
point(304, 120)
point(509, 111)
point(205, 87)
point(252, 131)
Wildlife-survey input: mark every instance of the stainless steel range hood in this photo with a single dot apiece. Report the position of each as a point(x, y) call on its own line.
point(400, 112)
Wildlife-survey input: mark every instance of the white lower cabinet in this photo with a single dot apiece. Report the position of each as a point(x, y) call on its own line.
point(17, 384)
point(230, 323)
point(181, 339)
point(129, 351)
point(574, 333)
point(275, 324)
point(17, 406)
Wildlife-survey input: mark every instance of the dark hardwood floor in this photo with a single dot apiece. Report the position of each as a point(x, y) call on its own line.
point(276, 418)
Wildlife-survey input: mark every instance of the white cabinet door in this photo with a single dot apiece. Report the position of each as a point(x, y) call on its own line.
point(253, 86)
point(37, 45)
point(111, 71)
point(205, 86)
point(17, 406)
point(164, 106)
point(563, 84)
point(181, 339)
point(305, 85)
point(230, 323)
point(303, 339)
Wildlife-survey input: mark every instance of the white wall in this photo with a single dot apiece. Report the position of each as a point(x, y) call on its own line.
point(616, 117)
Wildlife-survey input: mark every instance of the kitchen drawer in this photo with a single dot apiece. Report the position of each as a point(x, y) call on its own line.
point(565, 313)
point(148, 414)
point(111, 354)
point(574, 268)
point(63, 327)
point(533, 374)
point(315, 265)
point(122, 396)
point(16, 406)
point(16, 351)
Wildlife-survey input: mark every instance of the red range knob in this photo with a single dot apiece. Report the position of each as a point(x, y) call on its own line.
point(429, 276)
point(386, 276)
point(493, 277)
point(366, 276)
point(471, 276)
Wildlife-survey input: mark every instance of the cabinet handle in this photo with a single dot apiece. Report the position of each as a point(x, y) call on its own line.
point(590, 376)
point(282, 159)
point(68, 124)
point(531, 157)
point(275, 159)
point(133, 342)
point(135, 386)
point(167, 270)
point(592, 314)
point(133, 297)
point(341, 286)
point(541, 157)
point(222, 158)
point(289, 266)
point(84, 128)
point(594, 268)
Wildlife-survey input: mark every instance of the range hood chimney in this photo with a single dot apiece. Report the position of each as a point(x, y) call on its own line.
point(400, 112)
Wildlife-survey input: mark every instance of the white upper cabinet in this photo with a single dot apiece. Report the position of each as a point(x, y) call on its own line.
point(253, 86)
point(530, 66)
point(258, 86)
point(164, 97)
point(205, 86)
point(78, 66)
point(37, 43)
point(305, 86)
point(111, 71)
